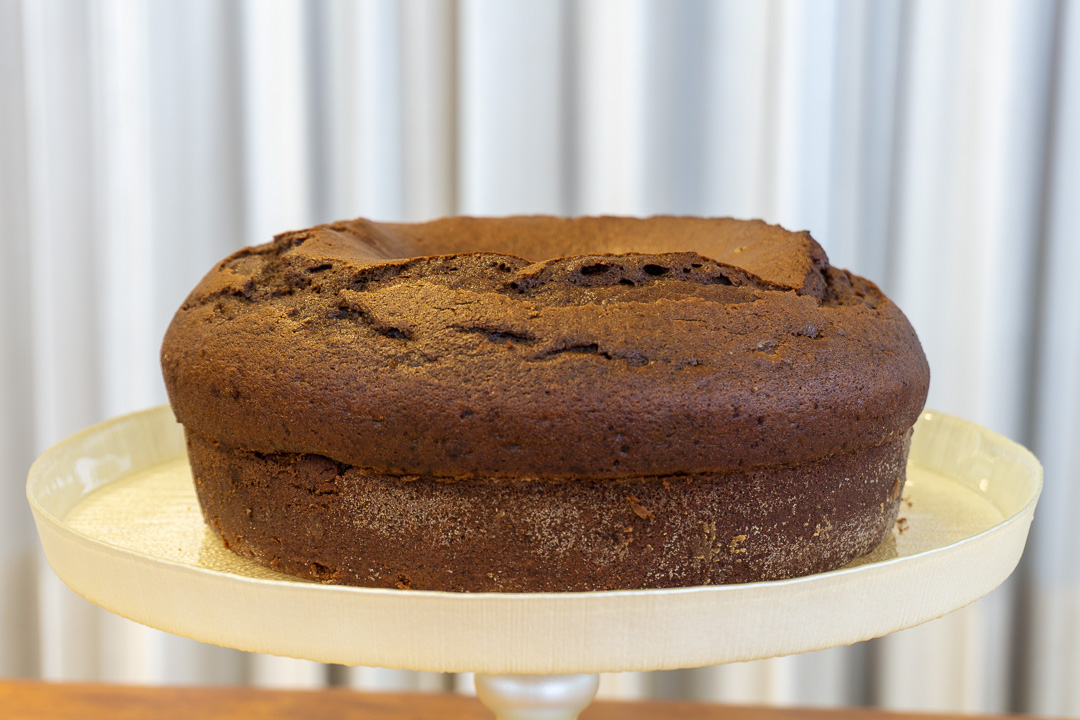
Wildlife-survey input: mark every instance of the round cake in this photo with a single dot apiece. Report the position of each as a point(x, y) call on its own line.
point(534, 404)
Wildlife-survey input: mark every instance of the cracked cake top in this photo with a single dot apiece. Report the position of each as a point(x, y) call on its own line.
point(541, 347)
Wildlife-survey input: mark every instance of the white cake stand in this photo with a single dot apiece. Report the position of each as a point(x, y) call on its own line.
point(120, 524)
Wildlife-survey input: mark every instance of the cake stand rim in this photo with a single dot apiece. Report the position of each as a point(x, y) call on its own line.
point(45, 518)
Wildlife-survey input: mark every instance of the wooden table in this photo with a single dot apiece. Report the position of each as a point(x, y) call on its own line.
point(23, 700)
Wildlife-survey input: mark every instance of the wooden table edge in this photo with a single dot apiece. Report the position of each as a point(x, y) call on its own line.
point(42, 700)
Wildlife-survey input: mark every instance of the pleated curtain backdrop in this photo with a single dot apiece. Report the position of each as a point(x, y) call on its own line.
point(933, 146)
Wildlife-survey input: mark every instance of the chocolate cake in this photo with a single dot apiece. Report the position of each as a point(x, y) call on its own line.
point(541, 404)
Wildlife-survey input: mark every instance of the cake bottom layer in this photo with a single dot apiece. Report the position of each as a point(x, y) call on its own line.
point(309, 516)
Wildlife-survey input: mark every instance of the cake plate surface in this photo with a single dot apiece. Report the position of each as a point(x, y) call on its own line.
point(119, 523)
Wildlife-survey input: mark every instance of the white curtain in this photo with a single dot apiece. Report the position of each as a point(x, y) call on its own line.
point(933, 146)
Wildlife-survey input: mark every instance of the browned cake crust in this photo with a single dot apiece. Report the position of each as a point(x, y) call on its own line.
point(669, 401)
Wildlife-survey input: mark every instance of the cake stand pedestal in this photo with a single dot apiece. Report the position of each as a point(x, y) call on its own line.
point(119, 523)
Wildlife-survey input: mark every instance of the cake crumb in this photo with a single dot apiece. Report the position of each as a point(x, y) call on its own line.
point(640, 510)
point(734, 547)
point(704, 549)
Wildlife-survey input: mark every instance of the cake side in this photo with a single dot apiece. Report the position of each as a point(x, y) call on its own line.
point(309, 516)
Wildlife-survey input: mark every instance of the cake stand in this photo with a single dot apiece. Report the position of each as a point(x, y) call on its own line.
point(120, 524)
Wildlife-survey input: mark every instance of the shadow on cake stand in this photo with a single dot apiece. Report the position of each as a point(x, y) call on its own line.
point(120, 524)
